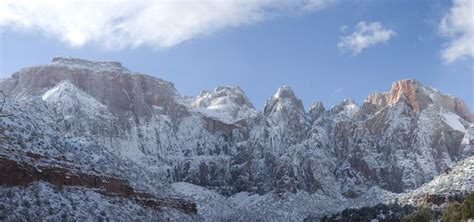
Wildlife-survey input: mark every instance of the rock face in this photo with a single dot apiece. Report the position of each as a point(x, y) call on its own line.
point(15, 173)
point(418, 98)
point(396, 140)
point(122, 92)
point(469, 137)
point(408, 90)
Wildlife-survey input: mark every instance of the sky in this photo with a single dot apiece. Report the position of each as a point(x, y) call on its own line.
point(326, 50)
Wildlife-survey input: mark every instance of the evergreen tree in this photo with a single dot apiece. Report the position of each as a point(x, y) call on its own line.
point(422, 215)
point(467, 207)
point(452, 213)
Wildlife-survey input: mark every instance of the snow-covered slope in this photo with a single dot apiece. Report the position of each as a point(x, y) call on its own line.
point(228, 104)
point(72, 101)
point(233, 160)
point(42, 201)
point(460, 178)
point(273, 206)
point(455, 121)
point(456, 181)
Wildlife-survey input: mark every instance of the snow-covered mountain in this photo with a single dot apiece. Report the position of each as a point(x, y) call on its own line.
point(228, 104)
point(217, 150)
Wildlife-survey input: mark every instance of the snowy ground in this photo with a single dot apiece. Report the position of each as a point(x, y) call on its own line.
point(287, 206)
point(41, 201)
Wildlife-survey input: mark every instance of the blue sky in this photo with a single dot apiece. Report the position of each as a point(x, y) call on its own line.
point(297, 47)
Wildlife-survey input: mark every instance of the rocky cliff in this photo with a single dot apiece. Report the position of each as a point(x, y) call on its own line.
point(140, 129)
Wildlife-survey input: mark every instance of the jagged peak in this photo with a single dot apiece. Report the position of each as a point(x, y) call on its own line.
point(228, 104)
point(233, 93)
point(284, 92)
point(407, 89)
point(284, 98)
point(345, 103)
point(229, 89)
point(403, 89)
point(88, 64)
point(408, 81)
point(418, 97)
point(317, 107)
point(347, 107)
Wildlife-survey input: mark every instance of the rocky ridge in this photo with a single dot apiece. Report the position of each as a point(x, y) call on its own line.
point(105, 117)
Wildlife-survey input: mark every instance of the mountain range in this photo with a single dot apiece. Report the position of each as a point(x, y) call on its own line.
point(92, 139)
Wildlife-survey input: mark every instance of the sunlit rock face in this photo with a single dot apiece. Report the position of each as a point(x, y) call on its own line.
point(418, 97)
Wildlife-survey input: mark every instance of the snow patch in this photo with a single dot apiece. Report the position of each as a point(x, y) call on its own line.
point(72, 101)
point(454, 121)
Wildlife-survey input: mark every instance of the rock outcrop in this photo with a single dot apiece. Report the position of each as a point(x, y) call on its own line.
point(24, 172)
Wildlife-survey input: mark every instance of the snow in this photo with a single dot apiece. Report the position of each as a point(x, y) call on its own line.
point(96, 66)
point(273, 206)
point(227, 104)
point(211, 205)
point(347, 109)
point(469, 136)
point(460, 178)
point(70, 100)
point(453, 121)
point(239, 172)
point(225, 113)
point(351, 109)
point(42, 201)
point(425, 161)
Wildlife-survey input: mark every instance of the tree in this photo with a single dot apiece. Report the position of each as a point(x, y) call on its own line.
point(452, 212)
point(467, 207)
point(422, 215)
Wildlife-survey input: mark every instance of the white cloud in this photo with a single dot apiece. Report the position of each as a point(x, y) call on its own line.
point(458, 24)
point(131, 23)
point(365, 35)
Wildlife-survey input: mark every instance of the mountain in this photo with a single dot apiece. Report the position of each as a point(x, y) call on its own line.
point(228, 104)
point(214, 156)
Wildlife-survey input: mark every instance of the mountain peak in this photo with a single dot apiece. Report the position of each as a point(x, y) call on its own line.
point(418, 97)
point(88, 64)
point(408, 90)
point(284, 92)
point(226, 103)
point(229, 93)
point(229, 89)
point(284, 98)
point(138, 129)
point(347, 107)
point(317, 108)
